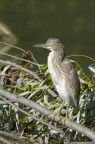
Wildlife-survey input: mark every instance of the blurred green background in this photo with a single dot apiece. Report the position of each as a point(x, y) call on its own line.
point(34, 21)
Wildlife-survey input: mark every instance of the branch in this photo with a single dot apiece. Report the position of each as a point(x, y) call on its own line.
point(12, 136)
point(21, 59)
point(77, 127)
point(30, 72)
point(12, 46)
point(20, 67)
point(5, 141)
point(33, 117)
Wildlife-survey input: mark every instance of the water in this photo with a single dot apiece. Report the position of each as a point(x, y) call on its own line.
point(73, 22)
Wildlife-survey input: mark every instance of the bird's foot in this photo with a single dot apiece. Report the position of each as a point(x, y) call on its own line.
point(58, 111)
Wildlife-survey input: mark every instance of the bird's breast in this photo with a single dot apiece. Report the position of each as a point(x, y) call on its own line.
point(57, 78)
point(52, 67)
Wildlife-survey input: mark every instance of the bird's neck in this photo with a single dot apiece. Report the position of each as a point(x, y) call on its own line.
point(56, 56)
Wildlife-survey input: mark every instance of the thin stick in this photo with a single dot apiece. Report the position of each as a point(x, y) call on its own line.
point(20, 59)
point(77, 127)
point(33, 117)
point(20, 67)
point(82, 56)
point(12, 46)
point(30, 72)
point(5, 141)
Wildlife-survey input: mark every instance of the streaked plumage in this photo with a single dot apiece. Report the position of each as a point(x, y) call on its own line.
point(62, 72)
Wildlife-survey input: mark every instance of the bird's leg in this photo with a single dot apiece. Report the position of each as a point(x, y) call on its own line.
point(58, 110)
point(61, 106)
point(67, 112)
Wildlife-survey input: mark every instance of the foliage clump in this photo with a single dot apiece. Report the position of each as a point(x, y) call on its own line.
point(37, 86)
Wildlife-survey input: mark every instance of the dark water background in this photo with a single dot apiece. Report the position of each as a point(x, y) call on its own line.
point(34, 21)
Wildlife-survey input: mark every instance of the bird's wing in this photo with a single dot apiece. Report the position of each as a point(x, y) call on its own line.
point(72, 80)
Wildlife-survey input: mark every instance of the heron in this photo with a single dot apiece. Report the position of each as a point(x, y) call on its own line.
point(62, 71)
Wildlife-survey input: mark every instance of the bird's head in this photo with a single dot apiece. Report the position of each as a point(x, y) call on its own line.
point(51, 44)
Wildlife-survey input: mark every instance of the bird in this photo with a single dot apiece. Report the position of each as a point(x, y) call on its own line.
point(62, 71)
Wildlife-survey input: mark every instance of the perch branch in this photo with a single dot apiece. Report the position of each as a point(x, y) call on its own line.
point(33, 117)
point(77, 127)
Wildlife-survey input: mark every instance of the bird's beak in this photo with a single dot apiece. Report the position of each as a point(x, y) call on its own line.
point(42, 45)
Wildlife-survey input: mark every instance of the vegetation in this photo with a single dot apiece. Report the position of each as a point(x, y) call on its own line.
point(29, 105)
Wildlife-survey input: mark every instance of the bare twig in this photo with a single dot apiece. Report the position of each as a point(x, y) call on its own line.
point(20, 67)
point(5, 141)
point(20, 59)
point(12, 136)
point(77, 127)
point(33, 117)
point(28, 71)
point(9, 45)
point(86, 56)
